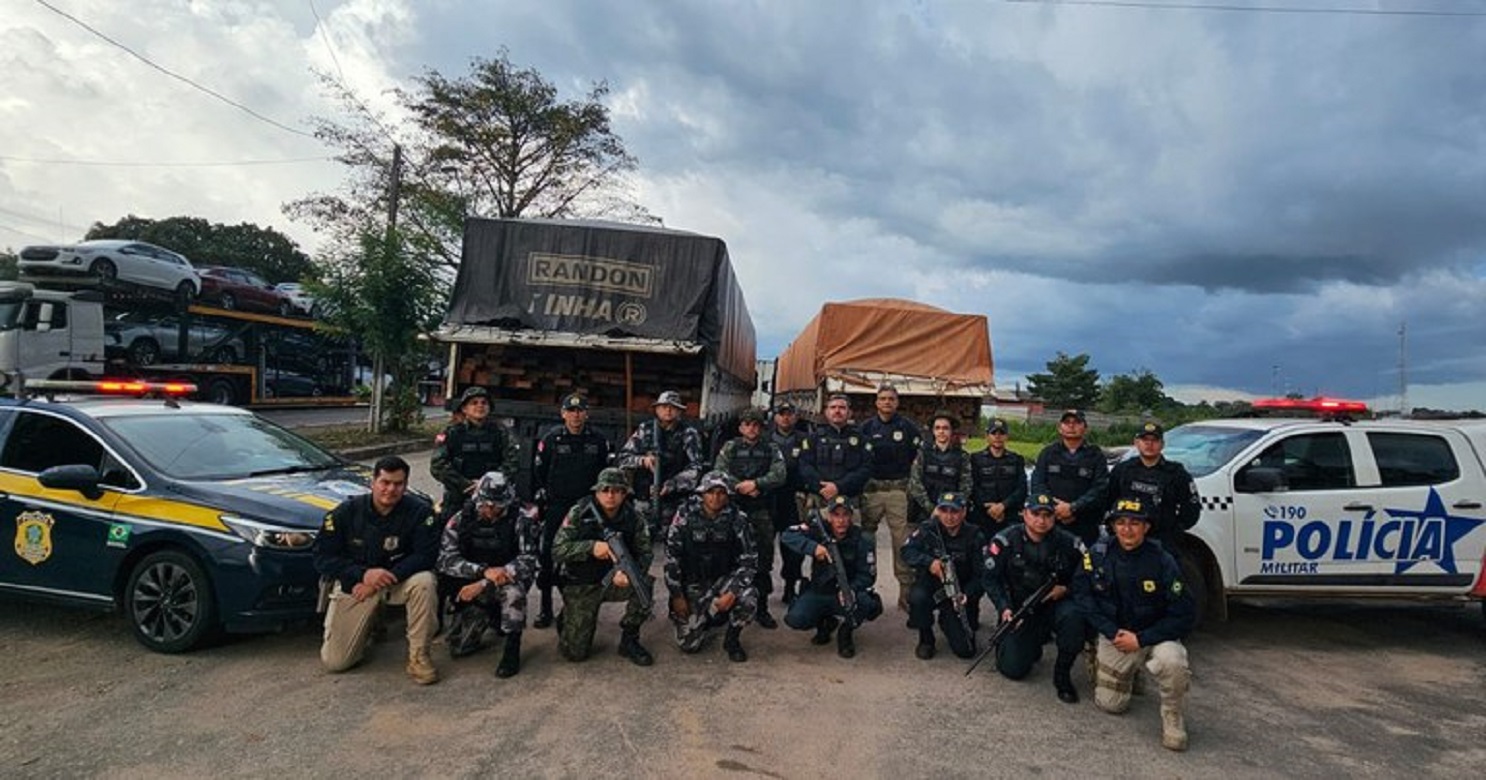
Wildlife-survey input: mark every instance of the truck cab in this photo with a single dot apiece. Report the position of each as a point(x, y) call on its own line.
point(1335, 508)
point(49, 334)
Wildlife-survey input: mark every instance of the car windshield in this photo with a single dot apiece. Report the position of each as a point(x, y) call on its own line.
point(1204, 448)
point(190, 446)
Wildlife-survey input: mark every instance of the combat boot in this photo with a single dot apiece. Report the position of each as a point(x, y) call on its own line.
point(1173, 688)
point(544, 615)
point(925, 649)
point(823, 631)
point(788, 597)
point(844, 646)
point(630, 647)
point(420, 667)
point(510, 660)
point(465, 630)
point(764, 619)
point(734, 646)
point(1063, 680)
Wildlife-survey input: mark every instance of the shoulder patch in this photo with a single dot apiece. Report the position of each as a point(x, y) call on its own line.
point(328, 524)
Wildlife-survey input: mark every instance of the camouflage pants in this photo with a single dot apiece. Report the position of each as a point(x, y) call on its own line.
point(763, 539)
point(505, 604)
point(580, 616)
point(691, 632)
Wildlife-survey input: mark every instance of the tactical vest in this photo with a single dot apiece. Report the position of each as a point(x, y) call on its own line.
point(996, 478)
point(789, 447)
point(476, 449)
point(750, 461)
point(837, 453)
point(672, 447)
point(573, 463)
point(961, 550)
point(1069, 477)
point(825, 574)
point(1120, 578)
point(893, 447)
point(941, 470)
point(590, 526)
point(709, 549)
point(379, 542)
point(488, 543)
point(1030, 564)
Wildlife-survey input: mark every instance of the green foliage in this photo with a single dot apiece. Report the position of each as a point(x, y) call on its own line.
point(1068, 382)
point(497, 142)
point(1138, 392)
point(265, 251)
point(9, 271)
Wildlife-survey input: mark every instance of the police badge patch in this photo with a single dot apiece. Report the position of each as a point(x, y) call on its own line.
point(33, 536)
point(390, 543)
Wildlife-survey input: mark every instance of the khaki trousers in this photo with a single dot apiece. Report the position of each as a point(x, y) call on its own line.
point(1165, 661)
point(890, 507)
point(348, 621)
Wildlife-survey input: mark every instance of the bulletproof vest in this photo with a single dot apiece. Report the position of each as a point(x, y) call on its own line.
point(488, 543)
point(476, 449)
point(1030, 563)
point(1069, 477)
point(1149, 485)
point(893, 447)
point(672, 447)
point(961, 550)
point(379, 542)
point(837, 453)
point(750, 461)
point(1137, 607)
point(941, 469)
point(996, 478)
point(708, 547)
point(789, 447)
point(825, 573)
point(574, 461)
point(588, 518)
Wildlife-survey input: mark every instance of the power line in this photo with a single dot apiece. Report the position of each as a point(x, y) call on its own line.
point(24, 233)
point(325, 38)
point(1268, 9)
point(172, 74)
point(138, 164)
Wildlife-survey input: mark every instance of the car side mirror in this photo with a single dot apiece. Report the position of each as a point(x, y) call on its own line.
point(1260, 479)
point(77, 476)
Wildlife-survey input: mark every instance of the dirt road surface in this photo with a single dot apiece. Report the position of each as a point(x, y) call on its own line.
point(1281, 689)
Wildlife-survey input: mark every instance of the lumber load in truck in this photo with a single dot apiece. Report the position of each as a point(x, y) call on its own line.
point(935, 358)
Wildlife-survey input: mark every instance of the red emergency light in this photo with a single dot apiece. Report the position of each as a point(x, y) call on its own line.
point(1318, 405)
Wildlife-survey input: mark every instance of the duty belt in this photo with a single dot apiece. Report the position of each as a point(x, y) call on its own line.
point(884, 485)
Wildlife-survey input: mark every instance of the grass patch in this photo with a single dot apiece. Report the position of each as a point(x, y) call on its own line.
point(341, 437)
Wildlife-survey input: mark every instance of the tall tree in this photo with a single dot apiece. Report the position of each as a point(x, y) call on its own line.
point(9, 269)
point(1068, 382)
point(498, 142)
point(264, 251)
point(1135, 392)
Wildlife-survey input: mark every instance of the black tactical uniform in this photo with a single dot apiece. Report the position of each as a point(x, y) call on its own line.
point(966, 548)
point(996, 480)
point(934, 473)
point(1081, 478)
point(786, 509)
point(466, 451)
point(1166, 489)
point(839, 455)
point(1015, 567)
point(563, 471)
point(818, 606)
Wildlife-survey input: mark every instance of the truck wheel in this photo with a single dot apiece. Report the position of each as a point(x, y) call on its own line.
point(169, 602)
point(221, 391)
point(144, 352)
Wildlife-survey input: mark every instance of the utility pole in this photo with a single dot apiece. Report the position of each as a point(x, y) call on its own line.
point(394, 192)
point(1403, 370)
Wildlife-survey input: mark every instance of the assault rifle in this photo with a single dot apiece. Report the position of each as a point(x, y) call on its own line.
point(846, 595)
point(1008, 626)
point(952, 589)
point(625, 562)
point(655, 518)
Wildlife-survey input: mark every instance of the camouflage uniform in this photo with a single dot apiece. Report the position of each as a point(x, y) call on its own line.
point(681, 463)
point(705, 558)
point(470, 545)
point(587, 580)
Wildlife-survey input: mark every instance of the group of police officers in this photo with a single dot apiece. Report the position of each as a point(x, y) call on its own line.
point(1081, 554)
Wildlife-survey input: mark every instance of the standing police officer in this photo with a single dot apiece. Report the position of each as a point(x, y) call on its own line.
point(669, 444)
point(590, 577)
point(757, 469)
point(1074, 473)
point(568, 460)
point(378, 548)
point(1163, 487)
point(999, 481)
point(469, 448)
point(711, 562)
point(895, 442)
point(945, 542)
point(789, 501)
point(835, 460)
point(1132, 594)
point(1018, 561)
point(489, 551)
point(941, 467)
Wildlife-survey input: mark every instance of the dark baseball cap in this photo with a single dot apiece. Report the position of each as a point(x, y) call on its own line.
point(752, 415)
point(573, 401)
point(1129, 507)
point(1077, 414)
point(951, 500)
point(998, 425)
point(1151, 429)
point(840, 502)
point(784, 407)
point(1040, 503)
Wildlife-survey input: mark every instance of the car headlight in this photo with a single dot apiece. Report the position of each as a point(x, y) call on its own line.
point(269, 536)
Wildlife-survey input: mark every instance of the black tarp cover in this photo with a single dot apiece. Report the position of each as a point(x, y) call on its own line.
point(604, 278)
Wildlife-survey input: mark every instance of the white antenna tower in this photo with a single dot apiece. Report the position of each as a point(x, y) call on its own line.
point(1403, 369)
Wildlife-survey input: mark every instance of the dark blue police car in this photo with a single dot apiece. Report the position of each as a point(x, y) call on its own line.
point(191, 518)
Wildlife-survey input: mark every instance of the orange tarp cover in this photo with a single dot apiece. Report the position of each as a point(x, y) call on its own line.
point(887, 335)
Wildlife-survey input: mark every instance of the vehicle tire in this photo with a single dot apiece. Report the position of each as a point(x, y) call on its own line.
point(220, 391)
point(224, 354)
point(185, 294)
point(285, 309)
point(1195, 579)
point(316, 391)
point(227, 301)
point(169, 603)
point(104, 269)
point(144, 352)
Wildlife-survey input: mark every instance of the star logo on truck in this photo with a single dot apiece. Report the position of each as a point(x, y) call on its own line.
point(1452, 528)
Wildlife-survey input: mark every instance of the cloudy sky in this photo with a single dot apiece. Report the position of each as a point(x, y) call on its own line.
point(1242, 201)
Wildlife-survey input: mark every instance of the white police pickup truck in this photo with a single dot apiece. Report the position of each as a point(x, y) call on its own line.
point(1302, 508)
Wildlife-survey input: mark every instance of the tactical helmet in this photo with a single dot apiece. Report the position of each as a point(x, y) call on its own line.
point(471, 393)
point(493, 488)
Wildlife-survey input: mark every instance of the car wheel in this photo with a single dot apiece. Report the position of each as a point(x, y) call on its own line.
point(185, 293)
point(221, 391)
point(316, 392)
point(1194, 578)
point(228, 302)
point(285, 309)
point(169, 602)
point(104, 269)
point(224, 355)
point(144, 352)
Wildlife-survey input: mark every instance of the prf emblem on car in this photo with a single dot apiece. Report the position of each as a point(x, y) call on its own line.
point(33, 536)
